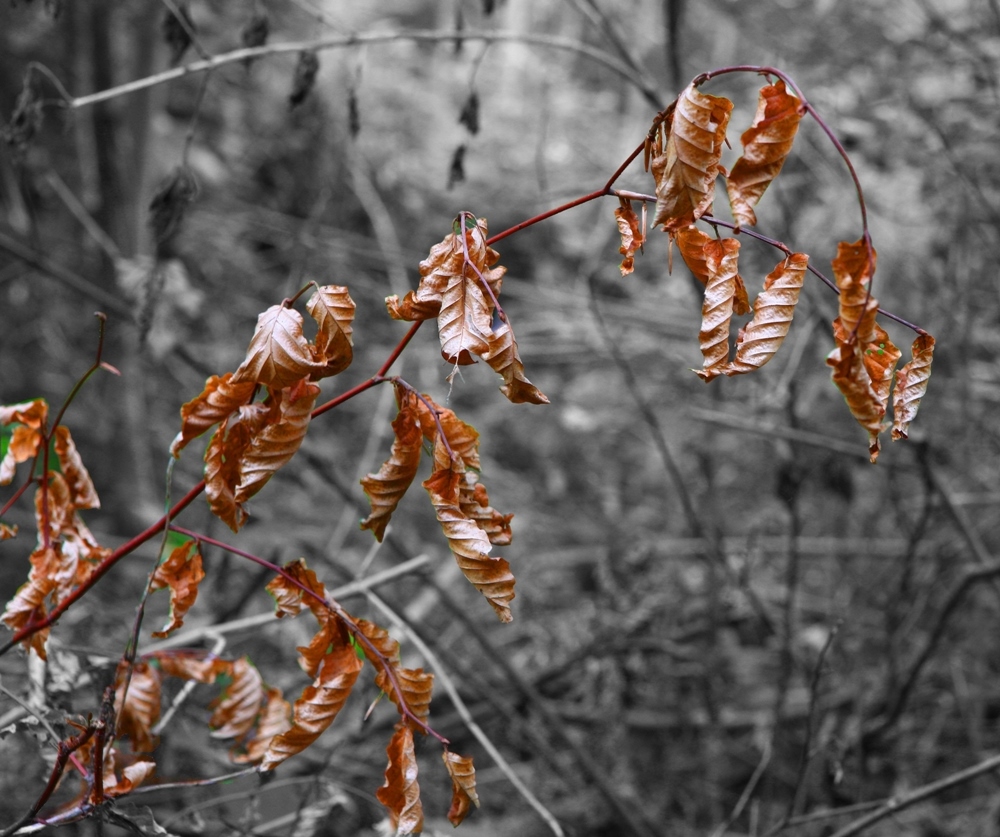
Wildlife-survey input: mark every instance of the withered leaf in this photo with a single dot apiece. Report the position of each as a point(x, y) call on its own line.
point(332, 308)
point(631, 235)
point(505, 360)
point(182, 572)
point(279, 354)
point(237, 709)
point(401, 793)
point(274, 719)
point(220, 398)
point(27, 438)
point(81, 487)
point(141, 708)
point(463, 785)
point(911, 384)
point(717, 306)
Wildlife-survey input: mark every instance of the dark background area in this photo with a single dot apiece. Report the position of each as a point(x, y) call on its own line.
point(760, 626)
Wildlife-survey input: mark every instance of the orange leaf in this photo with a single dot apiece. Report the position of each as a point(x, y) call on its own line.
point(766, 144)
point(685, 170)
point(853, 269)
point(277, 442)
point(386, 488)
point(141, 709)
point(219, 400)
point(7, 531)
point(279, 354)
point(911, 384)
point(462, 438)
point(504, 359)
point(199, 666)
point(236, 711)
point(319, 704)
point(333, 310)
point(401, 793)
point(81, 488)
point(852, 379)
point(465, 319)
point(27, 606)
point(289, 599)
point(182, 572)
point(463, 785)
point(274, 719)
point(717, 307)
point(469, 544)
point(880, 359)
point(631, 234)
point(475, 505)
point(692, 243)
point(26, 439)
point(416, 685)
point(773, 310)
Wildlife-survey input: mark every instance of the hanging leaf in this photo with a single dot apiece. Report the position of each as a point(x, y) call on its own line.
point(274, 719)
point(199, 666)
point(182, 572)
point(279, 355)
point(852, 379)
point(853, 269)
point(26, 439)
point(773, 310)
point(462, 438)
point(332, 308)
point(463, 785)
point(717, 307)
point(766, 144)
point(386, 488)
point(28, 606)
point(417, 686)
point(631, 234)
point(81, 488)
point(276, 443)
point(692, 243)
point(289, 598)
point(401, 793)
point(306, 69)
point(911, 384)
point(219, 400)
point(880, 359)
point(475, 505)
point(222, 473)
point(505, 360)
point(465, 319)
point(141, 708)
point(685, 168)
point(319, 704)
point(237, 709)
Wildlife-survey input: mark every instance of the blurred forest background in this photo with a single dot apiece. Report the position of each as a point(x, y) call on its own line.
point(727, 621)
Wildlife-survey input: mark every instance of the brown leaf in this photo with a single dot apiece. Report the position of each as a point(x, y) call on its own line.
point(880, 359)
point(469, 544)
point(853, 269)
point(236, 711)
point(773, 310)
point(685, 170)
point(463, 785)
point(401, 793)
point(462, 438)
point(81, 488)
point(766, 144)
point(717, 307)
point(279, 354)
point(141, 709)
point(333, 310)
point(631, 234)
point(26, 439)
point(386, 488)
point(274, 719)
point(219, 400)
point(692, 243)
point(911, 384)
point(27, 606)
point(7, 531)
point(182, 572)
point(289, 599)
point(852, 379)
point(199, 666)
point(416, 685)
point(277, 442)
point(505, 360)
point(465, 319)
point(412, 308)
point(319, 704)
point(475, 505)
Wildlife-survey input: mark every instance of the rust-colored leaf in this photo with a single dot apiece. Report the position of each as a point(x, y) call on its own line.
point(692, 244)
point(475, 505)
point(773, 310)
point(220, 399)
point(386, 488)
point(465, 319)
point(685, 168)
point(911, 384)
point(7, 531)
point(319, 704)
point(463, 785)
point(332, 308)
point(141, 708)
point(277, 442)
point(880, 359)
point(416, 685)
point(182, 572)
point(274, 719)
point(27, 606)
point(279, 354)
point(469, 544)
point(631, 233)
point(289, 598)
point(81, 488)
point(766, 144)
point(401, 793)
point(717, 307)
point(505, 360)
point(852, 379)
point(26, 439)
point(462, 438)
point(853, 269)
point(237, 709)
point(381, 640)
point(199, 666)
point(222, 473)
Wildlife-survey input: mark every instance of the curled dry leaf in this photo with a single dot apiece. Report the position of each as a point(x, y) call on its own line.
point(26, 439)
point(852, 379)
point(766, 144)
point(911, 384)
point(7, 531)
point(475, 504)
point(466, 318)
point(853, 269)
point(717, 307)
point(217, 402)
point(505, 360)
point(28, 606)
point(386, 488)
point(462, 438)
point(692, 243)
point(141, 708)
point(289, 598)
point(463, 785)
point(401, 793)
point(273, 719)
point(332, 308)
point(417, 687)
point(237, 709)
point(319, 704)
point(685, 168)
point(880, 359)
point(182, 572)
point(631, 234)
point(81, 488)
point(773, 310)
point(279, 355)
